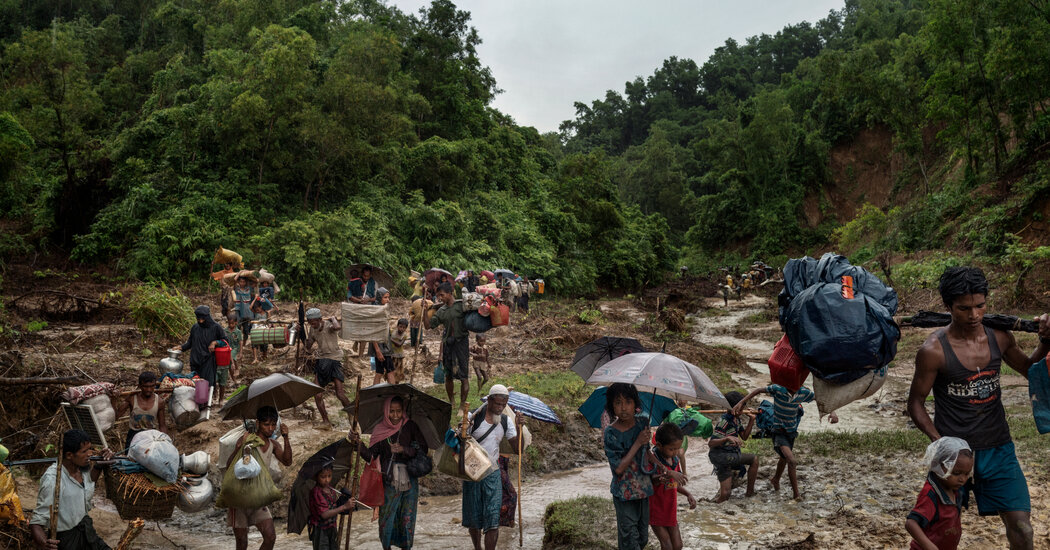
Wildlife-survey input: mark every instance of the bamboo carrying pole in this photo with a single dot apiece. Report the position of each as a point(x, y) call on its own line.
point(521, 524)
point(56, 499)
point(353, 452)
point(353, 470)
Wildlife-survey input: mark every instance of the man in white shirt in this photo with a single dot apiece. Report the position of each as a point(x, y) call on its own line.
point(482, 499)
point(75, 530)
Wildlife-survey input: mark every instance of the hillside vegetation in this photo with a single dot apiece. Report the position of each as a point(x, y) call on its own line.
point(308, 133)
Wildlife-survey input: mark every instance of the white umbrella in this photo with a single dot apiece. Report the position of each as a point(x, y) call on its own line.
point(662, 374)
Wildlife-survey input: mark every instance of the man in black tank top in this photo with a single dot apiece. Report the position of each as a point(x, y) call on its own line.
point(960, 364)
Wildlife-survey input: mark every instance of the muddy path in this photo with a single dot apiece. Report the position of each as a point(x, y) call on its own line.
point(857, 500)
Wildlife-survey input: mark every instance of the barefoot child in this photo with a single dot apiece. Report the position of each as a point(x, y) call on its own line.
point(725, 444)
point(397, 348)
point(323, 510)
point(234, 336)
point(626, 446)
point(480, 354)
point(663, 506)
point(934, 523)
point(787, 408)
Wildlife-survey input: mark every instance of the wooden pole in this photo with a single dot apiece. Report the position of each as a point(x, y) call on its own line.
point(30, 381)
point(353, 453)
point(353, 469)
point(521, 524)
point(56, 497)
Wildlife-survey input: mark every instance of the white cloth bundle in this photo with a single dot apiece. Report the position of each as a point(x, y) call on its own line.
point(364, 323)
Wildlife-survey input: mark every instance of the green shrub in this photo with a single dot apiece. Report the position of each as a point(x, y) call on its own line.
point(160, 311)
point(582, 522)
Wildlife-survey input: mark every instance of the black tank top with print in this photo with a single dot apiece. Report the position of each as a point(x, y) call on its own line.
point(968, 404)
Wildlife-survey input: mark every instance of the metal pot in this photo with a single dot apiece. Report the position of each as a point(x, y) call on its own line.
point(171, 363)
point(196, 463)
point(292, 330)
point(197, 495)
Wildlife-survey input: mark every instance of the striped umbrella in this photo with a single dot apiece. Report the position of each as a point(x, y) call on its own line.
point(530, 406)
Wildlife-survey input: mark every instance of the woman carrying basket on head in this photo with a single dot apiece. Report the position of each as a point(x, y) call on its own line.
point(396, 439)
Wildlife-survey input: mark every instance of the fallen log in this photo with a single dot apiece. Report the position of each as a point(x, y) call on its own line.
point(30, 381)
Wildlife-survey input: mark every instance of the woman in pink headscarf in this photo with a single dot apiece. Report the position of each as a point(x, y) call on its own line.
point(395, 440)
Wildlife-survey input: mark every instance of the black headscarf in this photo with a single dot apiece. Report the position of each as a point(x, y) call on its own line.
point(201, 336)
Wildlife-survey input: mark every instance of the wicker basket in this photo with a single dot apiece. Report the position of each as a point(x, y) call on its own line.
point(135, 496)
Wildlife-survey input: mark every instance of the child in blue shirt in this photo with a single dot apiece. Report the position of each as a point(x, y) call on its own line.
point(626, 446)
point(787, 409)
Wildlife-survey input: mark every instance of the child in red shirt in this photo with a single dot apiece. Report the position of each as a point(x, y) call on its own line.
point(934, 523)
point(324, 508)
point(663, 505)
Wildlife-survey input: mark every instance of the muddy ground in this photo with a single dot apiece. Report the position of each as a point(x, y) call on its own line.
point(854, 499)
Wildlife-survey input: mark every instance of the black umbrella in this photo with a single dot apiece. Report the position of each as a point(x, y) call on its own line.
point(339, 455)
point(592, 355)
point(381, 277)
point(993, 320)
point(428, 412)
point(280, 390)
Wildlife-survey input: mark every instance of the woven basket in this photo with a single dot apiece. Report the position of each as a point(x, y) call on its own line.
point(134, 496)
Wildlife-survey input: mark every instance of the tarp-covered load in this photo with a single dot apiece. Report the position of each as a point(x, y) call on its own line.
point(364, 323)
point(838, 317)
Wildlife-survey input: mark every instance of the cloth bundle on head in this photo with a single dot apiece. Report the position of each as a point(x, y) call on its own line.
point(941, 455)
point(384, 428)
point(267, 277)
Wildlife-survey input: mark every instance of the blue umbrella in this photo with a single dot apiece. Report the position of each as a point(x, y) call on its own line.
point(532, 407)
point(594, 406)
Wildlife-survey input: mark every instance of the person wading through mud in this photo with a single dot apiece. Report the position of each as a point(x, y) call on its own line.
point(203, 337)
point(961, 364)
point(482, 499)
point(328, 366)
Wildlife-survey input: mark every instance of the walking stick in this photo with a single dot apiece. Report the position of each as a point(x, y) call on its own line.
point(521, 525)
point(353, 453)
point(357, 460)
point(55, 499)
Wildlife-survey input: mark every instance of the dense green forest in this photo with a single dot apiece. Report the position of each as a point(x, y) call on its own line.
point(306, 134)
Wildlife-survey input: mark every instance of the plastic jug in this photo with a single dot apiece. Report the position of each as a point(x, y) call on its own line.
point(200, 396)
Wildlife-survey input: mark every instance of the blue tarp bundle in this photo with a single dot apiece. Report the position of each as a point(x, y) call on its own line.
point(838, 317)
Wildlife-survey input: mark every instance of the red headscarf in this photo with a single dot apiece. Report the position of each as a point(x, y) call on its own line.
point(385, 428)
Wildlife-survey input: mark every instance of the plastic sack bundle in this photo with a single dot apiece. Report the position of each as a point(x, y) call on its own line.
point(10, 505)
point(941, 455)
point(838, 317)
point(831, 397)
point(254, 492)
point(246, 468)
point(475, 322)
point(364, 323)
point(154, 451)
point(679, 417)
point(104, 412)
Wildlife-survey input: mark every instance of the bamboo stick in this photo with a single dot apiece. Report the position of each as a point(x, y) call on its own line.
point(56, 498)
point(30, 381)
point(349, 472)
point(353, 469)
point(521, 524)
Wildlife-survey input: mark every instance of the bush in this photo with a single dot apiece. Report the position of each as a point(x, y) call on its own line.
point(580, 523)
point(160, 311)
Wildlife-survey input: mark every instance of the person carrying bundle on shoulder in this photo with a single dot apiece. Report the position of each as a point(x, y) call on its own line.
point(328, 366)
point(787, 409)
point(961, 364)
point(455, 356)
point(74, 528)
point(146, 408)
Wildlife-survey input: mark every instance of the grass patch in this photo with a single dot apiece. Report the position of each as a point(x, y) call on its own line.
point(837, 444)
point(712, 312)
point(571, 524)
point(763, 317)
point(564, 389)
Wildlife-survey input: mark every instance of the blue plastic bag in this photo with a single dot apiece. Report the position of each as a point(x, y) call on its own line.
point(439, 374)
point(1039, 393)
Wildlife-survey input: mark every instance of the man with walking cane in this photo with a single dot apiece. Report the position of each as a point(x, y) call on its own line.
point(64, 499)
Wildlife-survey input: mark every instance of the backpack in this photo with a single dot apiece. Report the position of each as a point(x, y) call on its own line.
point(479, 417)
point(766, 420)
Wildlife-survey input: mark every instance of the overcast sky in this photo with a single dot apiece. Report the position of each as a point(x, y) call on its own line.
point(547, 54)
